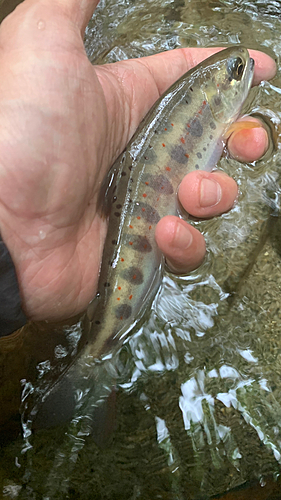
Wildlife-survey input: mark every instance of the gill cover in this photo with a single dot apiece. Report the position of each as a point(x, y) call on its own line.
point(231, 78)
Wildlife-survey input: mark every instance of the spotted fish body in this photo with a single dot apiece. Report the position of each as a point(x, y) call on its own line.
point(182, 132)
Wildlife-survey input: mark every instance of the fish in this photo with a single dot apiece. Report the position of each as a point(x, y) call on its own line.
point(185, 130)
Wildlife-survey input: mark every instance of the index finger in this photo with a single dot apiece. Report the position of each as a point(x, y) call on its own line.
point(167, 67)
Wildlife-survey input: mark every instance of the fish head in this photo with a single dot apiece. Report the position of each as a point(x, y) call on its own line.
point(227, 81)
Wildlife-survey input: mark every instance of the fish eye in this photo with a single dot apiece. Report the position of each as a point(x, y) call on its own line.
point(236, 68)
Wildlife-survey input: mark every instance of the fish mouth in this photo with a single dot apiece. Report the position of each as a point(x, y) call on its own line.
point(252, 64)
point(250, 73)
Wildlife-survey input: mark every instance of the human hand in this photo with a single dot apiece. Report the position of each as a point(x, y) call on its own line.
point(63, 122)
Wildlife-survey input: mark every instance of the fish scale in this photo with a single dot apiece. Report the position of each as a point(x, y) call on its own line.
point(183, 132)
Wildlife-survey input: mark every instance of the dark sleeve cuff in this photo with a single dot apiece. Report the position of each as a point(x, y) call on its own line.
point(11, 315)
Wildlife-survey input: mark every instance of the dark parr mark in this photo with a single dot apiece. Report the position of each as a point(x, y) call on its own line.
point(178, 153)
point(133, 275)
point(147, 212)
point(123, 312)
point(106, 285)
point(217, 100)
point(160, 183)
point(119, 206)
point(213, 126)
point(195, 128)
point(117, 214)
point(139, 243)
point(199, 155)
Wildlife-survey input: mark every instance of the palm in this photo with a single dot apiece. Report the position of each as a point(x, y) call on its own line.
point(62, 124)
point(69, 128)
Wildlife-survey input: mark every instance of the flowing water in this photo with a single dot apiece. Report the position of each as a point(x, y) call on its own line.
point(196, 408)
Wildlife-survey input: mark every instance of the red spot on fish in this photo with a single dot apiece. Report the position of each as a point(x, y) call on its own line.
point(122, 260)
point(147, 183)
point(172, 124)
point(138, 217)
point(188, 125)
point(130, 242)
point(121, 317)
point(187, 156)
point(163, 145)
point(168, 169)
point(130, 226)
point(143, 209)
point(158, 199)
point(204, 103)
point(134, 277)
point(150, 227)
point(144, 246)
point(130, 298)
point(118, 298)
point(162, 187)
point(182, 140)
point(165, 129)
point(218, 84)
point(200, 111)
point(144, 195)
point(119, 287)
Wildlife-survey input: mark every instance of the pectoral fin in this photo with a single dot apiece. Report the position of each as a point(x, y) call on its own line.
point(241, 125)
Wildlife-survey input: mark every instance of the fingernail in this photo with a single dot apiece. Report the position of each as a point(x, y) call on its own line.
point(210, 193)
point(183, 237)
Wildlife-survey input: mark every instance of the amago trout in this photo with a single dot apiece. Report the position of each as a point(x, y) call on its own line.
point(183, 131)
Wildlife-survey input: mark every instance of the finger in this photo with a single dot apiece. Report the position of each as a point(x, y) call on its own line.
point(207, 194)
point(247, 144)
point(169, 66)
point(183, 245)
point(265, 66)
point(145, 79)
